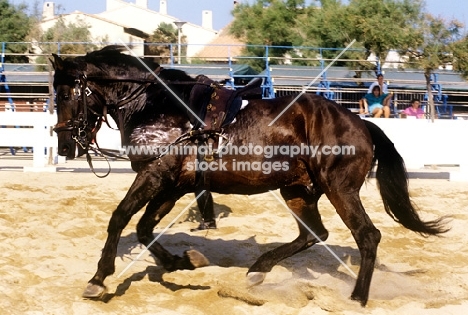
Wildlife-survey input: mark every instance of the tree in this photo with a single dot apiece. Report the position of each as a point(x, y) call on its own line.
point(460, 56)
point(62, 38)
point(73, 38)
point(14, 27)
point(330, 26)
point(435, 49)
point(377, 25)
point(382, 25)
point(165, 34)
point(272, 23)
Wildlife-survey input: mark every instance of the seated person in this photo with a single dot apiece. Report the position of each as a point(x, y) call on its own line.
point(414, 110)
point(379, 103)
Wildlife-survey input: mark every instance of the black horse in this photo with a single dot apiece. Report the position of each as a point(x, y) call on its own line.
point(150, 113)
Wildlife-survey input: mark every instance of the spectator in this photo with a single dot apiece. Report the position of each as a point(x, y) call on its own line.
point(380, 82)
point(414, 110)
point(383, 90)
point(379, 103)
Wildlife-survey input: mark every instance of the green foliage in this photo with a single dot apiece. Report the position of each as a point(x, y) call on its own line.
point(437, 44)
point(14, 27)
point(63, 38)
point(158, 43)
point(382, 25)
point(269, 22)
point(460, 56)
point(377, 25)
point(330, 26)
point(435, 49)
point(72, 38)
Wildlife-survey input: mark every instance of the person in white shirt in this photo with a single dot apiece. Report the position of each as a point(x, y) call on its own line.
point(383, 89)
point(380, 82)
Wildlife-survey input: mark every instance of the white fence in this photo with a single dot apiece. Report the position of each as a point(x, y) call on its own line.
point(422, 142)
point(419, 141)
point(30, 129)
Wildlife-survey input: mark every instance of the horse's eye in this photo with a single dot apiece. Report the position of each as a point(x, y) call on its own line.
point(66, 97)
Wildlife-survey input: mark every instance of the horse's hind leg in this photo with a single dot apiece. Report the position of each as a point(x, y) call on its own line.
point(154, 213)
point(303, 202)
point(205, 205)
point(367, 237)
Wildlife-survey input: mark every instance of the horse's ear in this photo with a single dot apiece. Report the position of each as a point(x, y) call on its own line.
point(57, 63)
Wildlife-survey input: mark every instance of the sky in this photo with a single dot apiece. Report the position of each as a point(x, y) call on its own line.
point(191, 10)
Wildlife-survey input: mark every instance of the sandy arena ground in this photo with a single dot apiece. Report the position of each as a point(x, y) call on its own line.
point(53, 227)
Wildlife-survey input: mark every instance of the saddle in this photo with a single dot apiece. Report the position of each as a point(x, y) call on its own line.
point(215, 105)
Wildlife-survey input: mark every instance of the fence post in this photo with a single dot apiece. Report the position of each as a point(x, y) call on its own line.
point(40, 127)
point(39, 144)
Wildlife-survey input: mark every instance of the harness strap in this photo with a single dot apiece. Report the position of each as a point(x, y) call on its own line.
point(90, 162)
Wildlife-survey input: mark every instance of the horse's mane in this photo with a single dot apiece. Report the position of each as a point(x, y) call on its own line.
point(114, 56)
point(112, 62)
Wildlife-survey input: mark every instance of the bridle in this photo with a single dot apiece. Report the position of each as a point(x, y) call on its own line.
point(78, 125)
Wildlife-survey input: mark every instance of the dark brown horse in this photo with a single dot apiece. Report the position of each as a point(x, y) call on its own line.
point(259, 154)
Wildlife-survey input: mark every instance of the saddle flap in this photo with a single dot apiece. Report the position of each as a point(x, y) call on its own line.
point(215, 105)
point(199, 98)
point(254, 87)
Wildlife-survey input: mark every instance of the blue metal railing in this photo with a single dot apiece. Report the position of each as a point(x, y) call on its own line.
point(443, 109)
point(3, 78)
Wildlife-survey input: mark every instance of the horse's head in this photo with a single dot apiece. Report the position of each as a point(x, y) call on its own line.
point(135, 92)
point(76, 121)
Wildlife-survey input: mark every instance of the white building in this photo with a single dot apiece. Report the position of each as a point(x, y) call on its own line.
point(132, 22)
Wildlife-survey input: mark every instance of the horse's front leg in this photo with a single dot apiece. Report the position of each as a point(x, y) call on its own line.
point(141, 191)
point(154, 213)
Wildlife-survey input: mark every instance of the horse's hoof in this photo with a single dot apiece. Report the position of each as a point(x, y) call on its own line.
point(362, 301)
point(94, 291)
point(197, 259)
point(210, 225)
point(255, 278)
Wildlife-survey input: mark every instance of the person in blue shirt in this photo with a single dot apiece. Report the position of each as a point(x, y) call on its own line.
point(375, 103)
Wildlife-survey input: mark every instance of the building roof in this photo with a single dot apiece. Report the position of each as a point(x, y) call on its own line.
point(223, 47)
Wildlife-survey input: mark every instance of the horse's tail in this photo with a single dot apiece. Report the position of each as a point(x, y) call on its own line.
point(392, 180)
